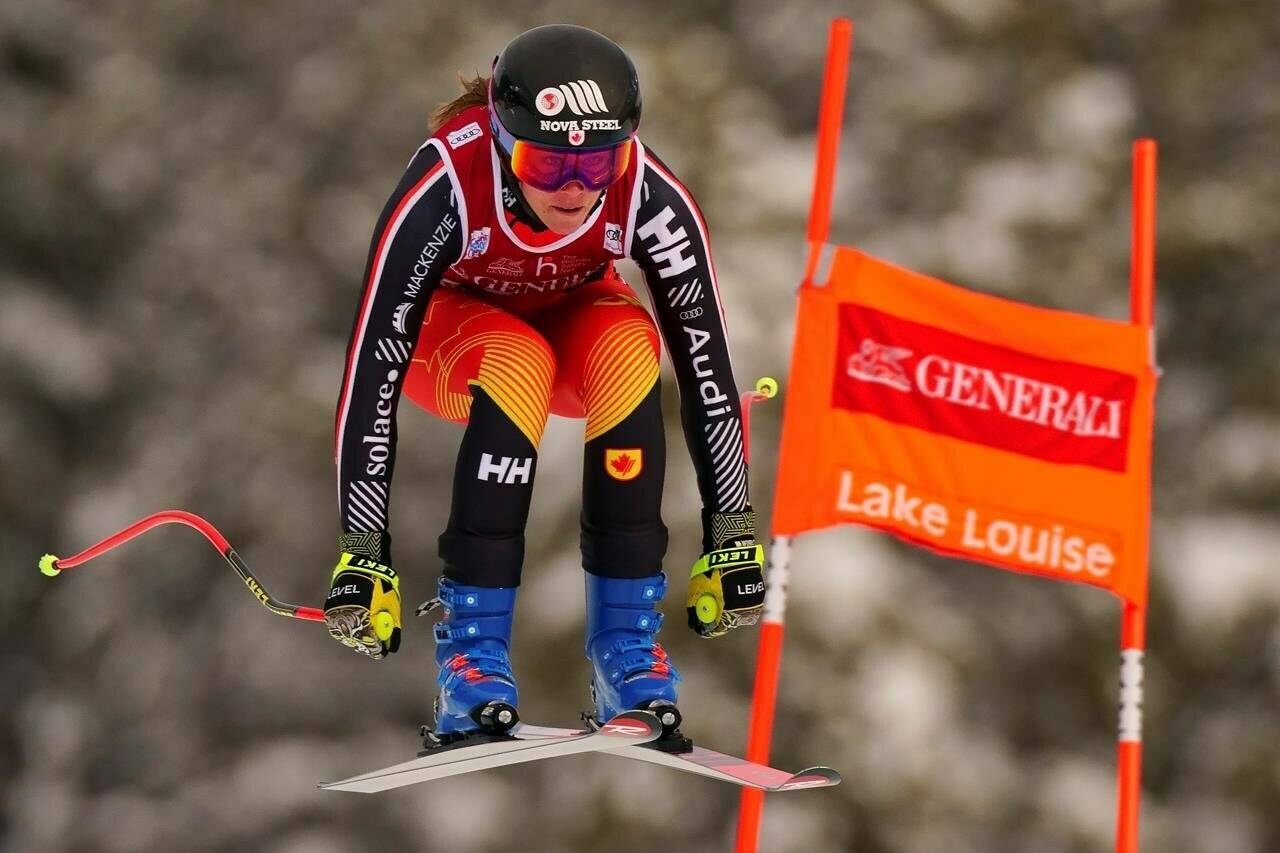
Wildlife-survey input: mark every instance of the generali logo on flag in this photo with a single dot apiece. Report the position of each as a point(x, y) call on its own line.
point(972, 425)
point(929, 378)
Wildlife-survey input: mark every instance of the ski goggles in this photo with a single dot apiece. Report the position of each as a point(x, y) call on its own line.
point(548, 169)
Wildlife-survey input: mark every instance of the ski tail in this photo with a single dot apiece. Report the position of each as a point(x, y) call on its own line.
point(813, 777)
point(738, 771)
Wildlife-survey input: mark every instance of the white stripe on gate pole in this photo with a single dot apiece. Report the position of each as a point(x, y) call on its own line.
point(775, 590)
point(1131, 674)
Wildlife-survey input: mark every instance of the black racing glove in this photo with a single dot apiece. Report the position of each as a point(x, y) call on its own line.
point(363, 606)
point(726, 587)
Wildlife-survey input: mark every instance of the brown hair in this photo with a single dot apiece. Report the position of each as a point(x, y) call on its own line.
point(475, 93)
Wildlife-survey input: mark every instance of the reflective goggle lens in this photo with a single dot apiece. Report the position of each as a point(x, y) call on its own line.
point(549, 169)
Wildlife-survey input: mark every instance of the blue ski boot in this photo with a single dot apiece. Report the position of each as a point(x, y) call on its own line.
point(477, 687)
point(630, 669)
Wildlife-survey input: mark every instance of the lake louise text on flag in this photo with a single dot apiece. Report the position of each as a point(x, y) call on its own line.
point(973, 425)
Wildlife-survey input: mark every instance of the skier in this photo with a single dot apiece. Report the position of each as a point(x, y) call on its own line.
point(490, 299)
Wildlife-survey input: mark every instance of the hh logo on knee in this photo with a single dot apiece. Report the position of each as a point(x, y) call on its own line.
point(505, 469)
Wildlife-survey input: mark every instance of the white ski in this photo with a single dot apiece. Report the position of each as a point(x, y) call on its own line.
point(529, 743)
point(725, 768)
point(730, 768)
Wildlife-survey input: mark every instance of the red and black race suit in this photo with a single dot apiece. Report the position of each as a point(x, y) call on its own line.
point(455, 221)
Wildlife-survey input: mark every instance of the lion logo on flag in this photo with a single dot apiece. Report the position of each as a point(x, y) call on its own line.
point(625, 463)
point(881, 363)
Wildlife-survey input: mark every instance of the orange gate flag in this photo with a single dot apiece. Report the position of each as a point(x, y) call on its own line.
point(973, 425)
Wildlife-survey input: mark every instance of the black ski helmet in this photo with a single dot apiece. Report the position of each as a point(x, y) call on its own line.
point(560, 79)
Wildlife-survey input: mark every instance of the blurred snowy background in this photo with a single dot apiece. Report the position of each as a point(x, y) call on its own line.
point(187, 192)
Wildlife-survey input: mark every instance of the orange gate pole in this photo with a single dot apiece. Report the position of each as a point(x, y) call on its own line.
point(1133, 640)
point(769, 658)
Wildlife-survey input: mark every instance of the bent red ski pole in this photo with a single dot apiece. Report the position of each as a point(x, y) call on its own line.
point(766, 387)
point(52, 565)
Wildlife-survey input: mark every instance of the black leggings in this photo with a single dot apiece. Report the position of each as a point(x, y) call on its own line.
point(623, 470)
